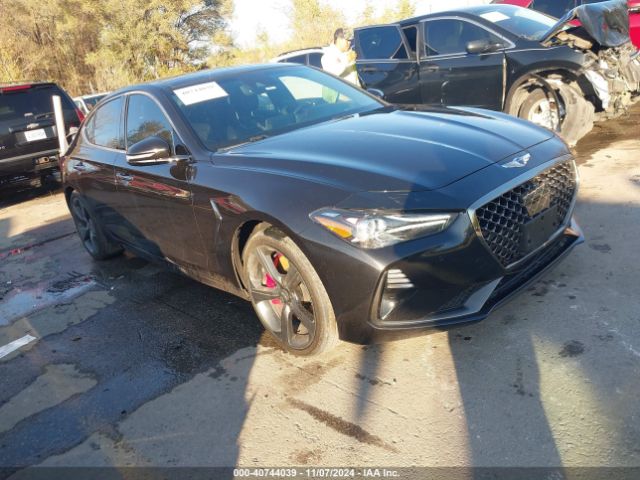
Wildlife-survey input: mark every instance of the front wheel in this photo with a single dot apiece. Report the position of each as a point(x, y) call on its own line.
point(573, 119)
point(287, 294)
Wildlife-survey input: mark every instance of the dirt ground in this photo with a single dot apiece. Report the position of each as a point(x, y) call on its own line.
point(127, 364)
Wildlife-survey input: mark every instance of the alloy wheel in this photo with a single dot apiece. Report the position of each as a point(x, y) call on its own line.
point(544, 113)
point(281, 297)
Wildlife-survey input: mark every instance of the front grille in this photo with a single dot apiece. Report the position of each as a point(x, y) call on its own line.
point(502, 220)
point(533, 267)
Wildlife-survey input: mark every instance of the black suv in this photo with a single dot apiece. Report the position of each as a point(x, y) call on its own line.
point(28, 136)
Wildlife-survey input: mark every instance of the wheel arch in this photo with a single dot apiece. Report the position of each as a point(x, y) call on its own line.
point(539, 78)
point(241, 236)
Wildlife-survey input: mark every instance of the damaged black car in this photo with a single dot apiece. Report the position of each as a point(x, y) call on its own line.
point(562, 75)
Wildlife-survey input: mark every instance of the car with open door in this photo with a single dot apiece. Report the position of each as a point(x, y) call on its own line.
point(338, 215)
point(28, 136)
point(559, 8)
point(508, 58)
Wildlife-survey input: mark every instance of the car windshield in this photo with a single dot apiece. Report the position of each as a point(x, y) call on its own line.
point(254, 105)
point(522, 22)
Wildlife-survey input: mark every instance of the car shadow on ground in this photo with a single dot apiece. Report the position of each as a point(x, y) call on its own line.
point(10, 195)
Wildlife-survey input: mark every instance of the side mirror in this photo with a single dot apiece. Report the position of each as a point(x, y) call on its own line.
point(376, 93)
point(150, 151)
point(483, 46)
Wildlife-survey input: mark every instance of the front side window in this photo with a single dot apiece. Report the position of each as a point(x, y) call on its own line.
point(266, 102)
point(451, 36)
point(103, 128)
point(380, 43)
point(146, 119)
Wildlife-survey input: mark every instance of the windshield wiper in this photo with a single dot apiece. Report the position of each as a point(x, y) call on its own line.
point(383, 109)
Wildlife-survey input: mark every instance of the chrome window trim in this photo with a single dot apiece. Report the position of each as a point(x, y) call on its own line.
point(423, 50)
point(519, 180)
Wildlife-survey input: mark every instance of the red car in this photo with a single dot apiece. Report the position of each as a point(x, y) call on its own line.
point(558, 8)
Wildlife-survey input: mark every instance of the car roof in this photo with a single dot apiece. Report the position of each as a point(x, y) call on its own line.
point(302, 51)
point(470, 12)
point(25, 84)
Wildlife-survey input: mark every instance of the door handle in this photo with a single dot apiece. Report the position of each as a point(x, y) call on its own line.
point(369, 70)
point(431, 68)
point(79, 167)
point(123, 177)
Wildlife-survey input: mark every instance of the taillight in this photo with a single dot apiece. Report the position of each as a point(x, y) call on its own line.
point(80, 115)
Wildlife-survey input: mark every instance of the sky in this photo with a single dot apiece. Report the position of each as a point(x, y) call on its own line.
point(271, 15)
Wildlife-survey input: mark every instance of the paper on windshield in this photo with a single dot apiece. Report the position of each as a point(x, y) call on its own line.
point(495, 17)
point(200, 93)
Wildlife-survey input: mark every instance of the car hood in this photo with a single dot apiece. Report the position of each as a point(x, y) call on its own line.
point(397, 151)
point(606, 22)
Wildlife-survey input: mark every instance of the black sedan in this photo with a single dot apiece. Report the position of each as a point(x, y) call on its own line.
point(336, 214)
point(511, 59)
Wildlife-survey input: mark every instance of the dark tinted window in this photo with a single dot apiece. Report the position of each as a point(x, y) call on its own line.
point(146, 119)
point(301, 59)
point(24, 106)
point(555, 8)
point(315, 60)
point(103, 128)
point(449, 36)
point(411, 34)
point(380, 43)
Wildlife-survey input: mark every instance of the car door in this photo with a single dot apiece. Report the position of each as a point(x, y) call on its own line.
point(90, 164)
point(450, 75)
point(386, 62)
point(157, 198)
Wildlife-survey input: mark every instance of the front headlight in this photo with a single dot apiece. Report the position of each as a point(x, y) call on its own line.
point(369, 229)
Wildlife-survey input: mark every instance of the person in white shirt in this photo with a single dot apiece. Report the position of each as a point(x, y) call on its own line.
point(339, 59)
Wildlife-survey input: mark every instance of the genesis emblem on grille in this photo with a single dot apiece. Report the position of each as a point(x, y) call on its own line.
point(538, 200)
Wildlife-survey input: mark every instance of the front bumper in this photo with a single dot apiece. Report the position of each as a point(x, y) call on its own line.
point(458, 276)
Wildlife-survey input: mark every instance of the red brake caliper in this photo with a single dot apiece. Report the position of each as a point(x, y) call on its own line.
point(279, 260)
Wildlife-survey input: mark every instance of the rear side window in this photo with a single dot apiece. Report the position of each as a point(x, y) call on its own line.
point(315, 60)
point(24, 106)
point(103, 128)
point(145, 119)
point(450, 36)
point(301, 59)
point(555, 8)
point(381, 43)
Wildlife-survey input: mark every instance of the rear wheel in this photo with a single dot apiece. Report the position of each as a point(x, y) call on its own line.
point(90, 232)
point(287, 294)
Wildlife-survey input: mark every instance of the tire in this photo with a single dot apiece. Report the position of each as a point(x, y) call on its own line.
point(287, 294)
point(538, 107)
point(579, 113)
point(90, 232)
